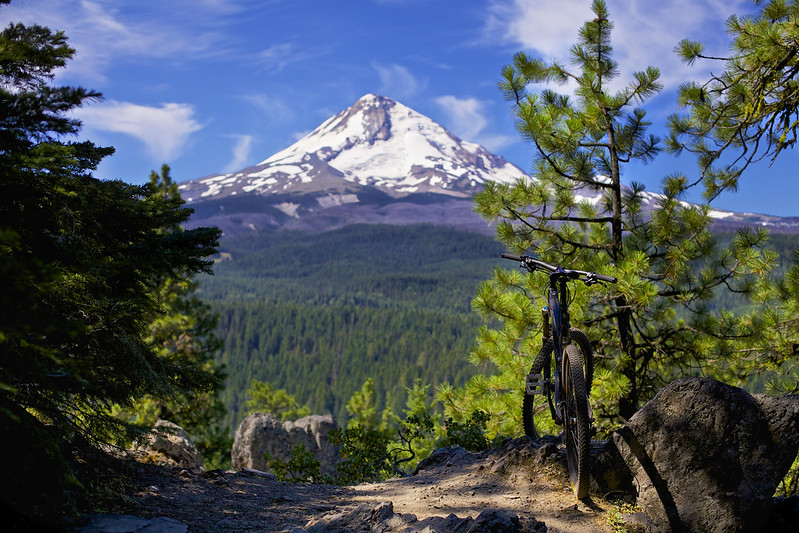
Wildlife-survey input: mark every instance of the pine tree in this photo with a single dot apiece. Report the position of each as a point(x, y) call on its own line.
point(654, 325)
point(185, 334)
point(771, 354)
point(749, 112)
point(264, 398)
point(82, 260)
point(362, 407)
point(746, 114)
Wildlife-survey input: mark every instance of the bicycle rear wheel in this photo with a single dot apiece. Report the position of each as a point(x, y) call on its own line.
point(541, 366)
point(576, 425)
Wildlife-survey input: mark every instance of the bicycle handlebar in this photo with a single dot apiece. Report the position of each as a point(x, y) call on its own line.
point(532, 265)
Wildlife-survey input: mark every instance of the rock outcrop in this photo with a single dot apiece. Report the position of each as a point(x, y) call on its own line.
point(367, 518)
point(168, 443)
point(260, 434)
point(708, 457)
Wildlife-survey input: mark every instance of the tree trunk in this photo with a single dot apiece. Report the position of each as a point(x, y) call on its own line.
point(628, 403)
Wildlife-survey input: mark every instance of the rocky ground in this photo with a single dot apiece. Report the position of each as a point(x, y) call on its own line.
point(519, 486)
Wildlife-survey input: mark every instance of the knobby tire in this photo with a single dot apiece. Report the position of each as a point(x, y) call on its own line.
point(576, 425)
point(584, 344)
point(528, 407)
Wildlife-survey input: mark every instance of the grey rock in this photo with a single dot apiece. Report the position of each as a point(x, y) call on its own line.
point(170, 443)
point(544, 452)
point(495, 521)
point(260, 434)
point(111, 523)
point(381, 518)
point(708, 457)
point(364, 518)
point(451, 455)
point(785, 517)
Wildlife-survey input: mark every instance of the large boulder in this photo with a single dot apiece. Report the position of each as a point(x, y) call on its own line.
point(168, 443)
point(708, 457)
point(260, 434)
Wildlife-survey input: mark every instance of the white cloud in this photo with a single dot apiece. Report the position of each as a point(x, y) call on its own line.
point(466, 117)
point(397, 81)
point(241, 152)
point(102, 32)
point(645, 32)
point(164, 130)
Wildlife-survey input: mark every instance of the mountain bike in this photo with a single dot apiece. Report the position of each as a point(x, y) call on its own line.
point(566, 379)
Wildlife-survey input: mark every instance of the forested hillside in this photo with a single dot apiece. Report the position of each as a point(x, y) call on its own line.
point(317, 314)
point(375, 266)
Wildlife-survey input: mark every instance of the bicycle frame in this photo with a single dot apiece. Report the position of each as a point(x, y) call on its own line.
point(559, 315)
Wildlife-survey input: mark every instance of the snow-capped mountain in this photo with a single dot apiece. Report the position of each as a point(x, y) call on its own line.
point(377, 162)
point(377, 142)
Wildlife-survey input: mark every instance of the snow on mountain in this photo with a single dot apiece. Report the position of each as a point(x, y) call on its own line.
point(731, 220)
point(378, 143)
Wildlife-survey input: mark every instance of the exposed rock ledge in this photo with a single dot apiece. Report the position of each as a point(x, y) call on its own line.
point(701, 456)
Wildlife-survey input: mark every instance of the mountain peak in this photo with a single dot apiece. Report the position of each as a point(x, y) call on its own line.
point(377, 142)
point(375, 100)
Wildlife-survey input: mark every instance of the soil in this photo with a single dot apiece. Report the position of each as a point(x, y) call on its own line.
point(519, 477)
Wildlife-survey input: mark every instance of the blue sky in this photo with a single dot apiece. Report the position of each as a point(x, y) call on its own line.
point(209, 86)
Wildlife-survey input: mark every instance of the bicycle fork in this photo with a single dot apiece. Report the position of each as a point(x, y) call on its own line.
point(537, 384)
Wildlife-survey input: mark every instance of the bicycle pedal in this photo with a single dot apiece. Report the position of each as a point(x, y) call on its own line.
point(534, 384)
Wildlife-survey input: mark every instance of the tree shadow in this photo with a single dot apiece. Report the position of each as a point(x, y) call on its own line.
point(661, 487)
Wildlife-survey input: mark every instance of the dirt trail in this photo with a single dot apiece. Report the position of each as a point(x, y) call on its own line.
point(510, 481)
point(515, 478)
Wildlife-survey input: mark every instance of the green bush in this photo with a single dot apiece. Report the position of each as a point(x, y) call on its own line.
point(365, 454)
point(302, 467)
point(470, 434)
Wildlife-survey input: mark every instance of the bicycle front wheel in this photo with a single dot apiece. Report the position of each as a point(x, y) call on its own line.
point(541, 366)
point(580, 339)
point(576, 425)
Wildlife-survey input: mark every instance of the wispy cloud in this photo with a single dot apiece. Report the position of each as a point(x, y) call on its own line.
point(278, 56)
point(241, 152)
point(397, 81)
point(276, 109)
point(297, 135)
point(164, 130)
point(466, 117)
point(645, 33)
point(102, 33)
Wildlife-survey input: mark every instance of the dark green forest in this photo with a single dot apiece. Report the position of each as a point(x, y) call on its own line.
point(373, 266)
point(318, 314)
